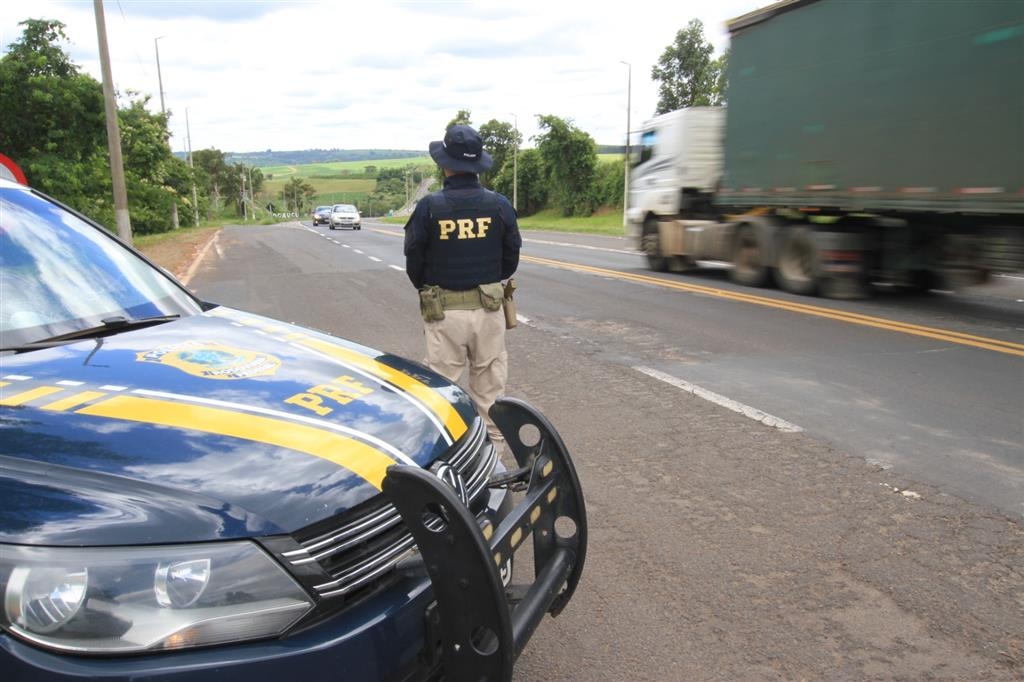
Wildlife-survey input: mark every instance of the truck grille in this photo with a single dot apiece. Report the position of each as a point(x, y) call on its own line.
point(360, 547)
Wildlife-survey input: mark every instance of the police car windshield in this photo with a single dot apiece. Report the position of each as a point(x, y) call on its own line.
point(60, 275)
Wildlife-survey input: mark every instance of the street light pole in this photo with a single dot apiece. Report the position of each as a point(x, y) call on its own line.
point(159, 77)
point(515, 164)
point(629, 105)
point(195, 198)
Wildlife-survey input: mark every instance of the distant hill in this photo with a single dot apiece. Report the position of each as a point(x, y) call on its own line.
point(304, 156)
point(299, 157)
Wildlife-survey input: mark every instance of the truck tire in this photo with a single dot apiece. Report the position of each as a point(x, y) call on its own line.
point(799, 263)
point(748, 257)
point(650, 243)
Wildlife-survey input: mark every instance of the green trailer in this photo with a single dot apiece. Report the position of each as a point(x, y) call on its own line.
point(865, 142)
point(900, 122)
point(911, 105)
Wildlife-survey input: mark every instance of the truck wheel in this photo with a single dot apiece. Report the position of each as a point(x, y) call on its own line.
point(748, 266)
point(651, 245)
point(799, 262)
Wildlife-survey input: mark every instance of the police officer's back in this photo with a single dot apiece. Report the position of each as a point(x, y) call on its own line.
point(459, 244)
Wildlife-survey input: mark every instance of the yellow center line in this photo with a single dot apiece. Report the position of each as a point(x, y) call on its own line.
point(997, 345)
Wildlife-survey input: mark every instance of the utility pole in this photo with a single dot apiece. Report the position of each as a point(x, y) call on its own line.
point(629, 104)
point(252, 197)
point(195, 198)
point(124, 223)
point(163, 110)
point(245, 211)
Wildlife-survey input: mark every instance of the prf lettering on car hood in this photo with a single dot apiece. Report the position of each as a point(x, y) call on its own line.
point(341, 391)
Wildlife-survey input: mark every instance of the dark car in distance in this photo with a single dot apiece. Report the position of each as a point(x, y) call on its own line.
point(321, 214)
point(192, 492)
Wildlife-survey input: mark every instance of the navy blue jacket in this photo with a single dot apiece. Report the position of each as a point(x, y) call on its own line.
point(461, 237)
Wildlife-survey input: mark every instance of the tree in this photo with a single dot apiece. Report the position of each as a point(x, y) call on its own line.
point(298, 195)
point(51, 121)
point(156, 178)
point(570, 160)
point(462, 118)
point(721, 66)
point(686, 74)
point(211, 168)
point(55, 129)
point(500, 140)
point(531, 185)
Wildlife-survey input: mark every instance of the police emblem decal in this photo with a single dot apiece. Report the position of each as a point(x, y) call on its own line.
point(212, 360)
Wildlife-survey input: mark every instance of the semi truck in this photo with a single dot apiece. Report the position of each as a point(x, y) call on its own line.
point(863, 144)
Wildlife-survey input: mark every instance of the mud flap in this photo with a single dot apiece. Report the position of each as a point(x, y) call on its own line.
point(481, 634)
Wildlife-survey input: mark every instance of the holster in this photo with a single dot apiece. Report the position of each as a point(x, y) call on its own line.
point(509, 304)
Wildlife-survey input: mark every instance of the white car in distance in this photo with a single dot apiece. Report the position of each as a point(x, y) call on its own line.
point(345, 215)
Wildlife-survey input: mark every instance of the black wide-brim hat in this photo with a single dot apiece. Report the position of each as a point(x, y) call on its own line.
point(461, 151)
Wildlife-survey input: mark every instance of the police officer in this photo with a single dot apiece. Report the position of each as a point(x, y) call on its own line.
point(459, 244)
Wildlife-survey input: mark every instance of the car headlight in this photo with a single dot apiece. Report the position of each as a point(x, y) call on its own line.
point(130, 599)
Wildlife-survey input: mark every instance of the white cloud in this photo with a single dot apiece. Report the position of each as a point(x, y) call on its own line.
point(384, 74)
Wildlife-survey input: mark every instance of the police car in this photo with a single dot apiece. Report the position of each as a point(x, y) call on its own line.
point(189, 491)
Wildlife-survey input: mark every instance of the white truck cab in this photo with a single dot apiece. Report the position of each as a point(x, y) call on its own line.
point(678, 166)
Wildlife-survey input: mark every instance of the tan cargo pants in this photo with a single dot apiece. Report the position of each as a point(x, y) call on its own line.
point(473, 340)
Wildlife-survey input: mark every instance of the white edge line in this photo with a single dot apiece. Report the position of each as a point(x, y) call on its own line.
point(728, 403)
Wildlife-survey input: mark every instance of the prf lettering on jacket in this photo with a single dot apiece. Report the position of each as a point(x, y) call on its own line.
point(468, 228)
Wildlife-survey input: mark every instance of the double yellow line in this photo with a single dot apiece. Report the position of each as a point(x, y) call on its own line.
point(985, 343)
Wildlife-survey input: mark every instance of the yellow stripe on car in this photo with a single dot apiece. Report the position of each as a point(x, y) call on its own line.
point(428, 396)
point(73, 401)
point(29, 395)
point(359, 458)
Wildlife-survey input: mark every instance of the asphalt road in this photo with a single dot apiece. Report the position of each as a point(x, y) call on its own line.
point(777, 487)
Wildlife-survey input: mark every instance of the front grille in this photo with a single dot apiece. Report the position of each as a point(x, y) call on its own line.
point(360, 547)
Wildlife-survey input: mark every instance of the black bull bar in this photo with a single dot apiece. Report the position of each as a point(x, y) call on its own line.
point(481, 632)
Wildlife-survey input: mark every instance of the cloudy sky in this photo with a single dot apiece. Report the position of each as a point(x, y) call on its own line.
point(378, 74)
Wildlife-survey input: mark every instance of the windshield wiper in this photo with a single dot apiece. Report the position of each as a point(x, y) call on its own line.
point(110, 325)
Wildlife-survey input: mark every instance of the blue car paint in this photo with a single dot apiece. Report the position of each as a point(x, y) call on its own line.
point(221, 486)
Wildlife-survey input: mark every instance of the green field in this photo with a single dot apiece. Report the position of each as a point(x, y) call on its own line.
point(339, 182)
point(333, 190)
point(338, 168)
point(344, 182)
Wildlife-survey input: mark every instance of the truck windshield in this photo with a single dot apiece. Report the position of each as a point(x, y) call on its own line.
point(60, 274)
point(647, 141)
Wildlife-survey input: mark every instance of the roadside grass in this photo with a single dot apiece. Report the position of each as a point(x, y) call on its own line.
point(174, 251)
point(604, 221)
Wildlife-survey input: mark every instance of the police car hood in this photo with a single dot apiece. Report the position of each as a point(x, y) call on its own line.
point(219, 425)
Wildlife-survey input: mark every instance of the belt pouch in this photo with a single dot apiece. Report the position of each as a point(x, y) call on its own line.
point(430, 304)
point(491, 296)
